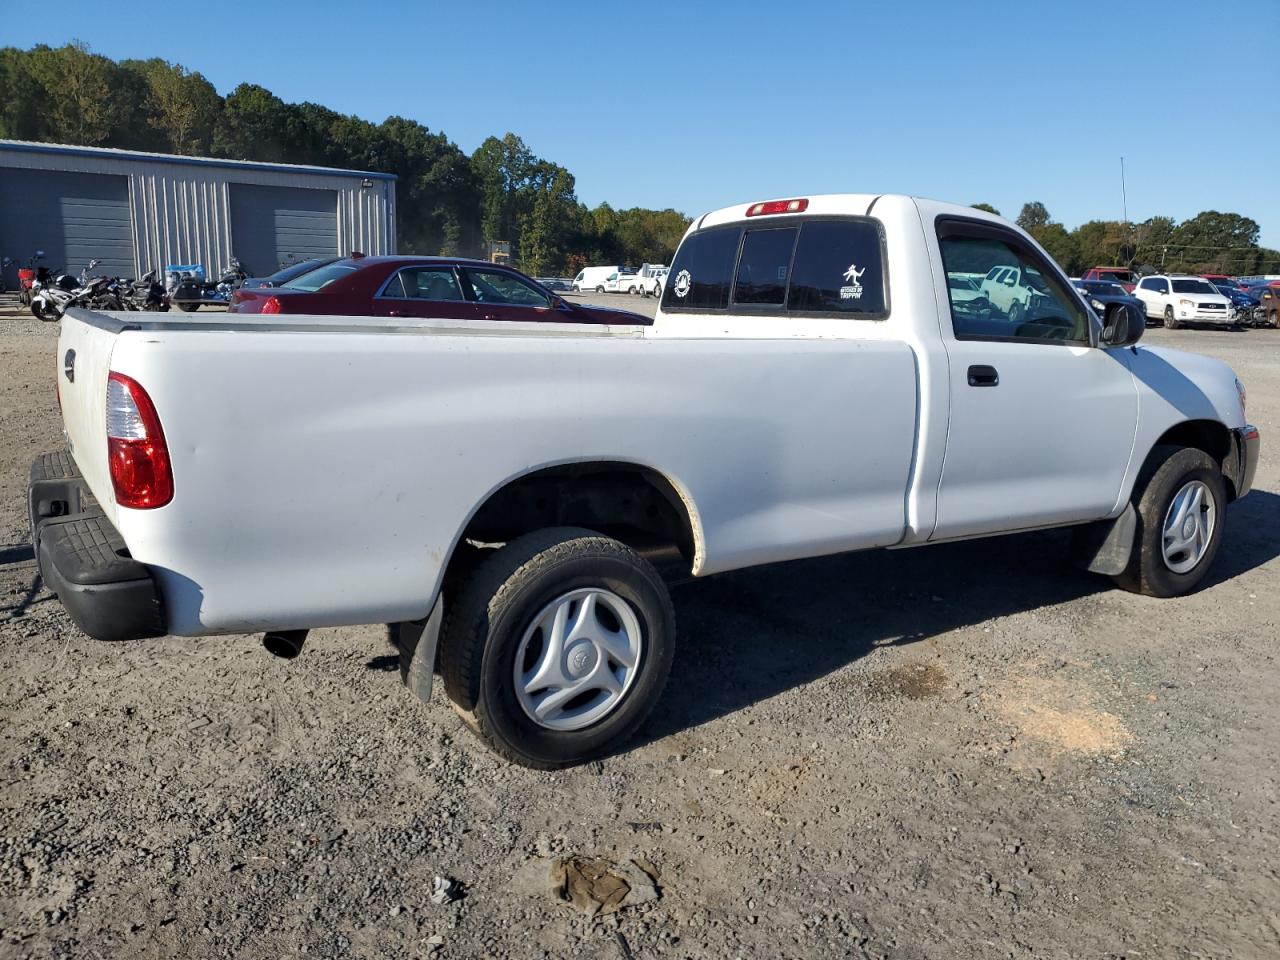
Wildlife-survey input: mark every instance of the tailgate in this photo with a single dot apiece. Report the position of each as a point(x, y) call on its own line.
point(84, 360)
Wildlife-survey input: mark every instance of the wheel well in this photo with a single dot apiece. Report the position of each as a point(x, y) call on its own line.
point(633, 504)
point(1213, 438)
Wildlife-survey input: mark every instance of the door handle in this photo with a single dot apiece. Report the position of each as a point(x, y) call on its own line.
point(981, 375)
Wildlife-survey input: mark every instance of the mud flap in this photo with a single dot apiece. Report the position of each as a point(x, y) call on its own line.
point(1106, 546)
point(417, 640)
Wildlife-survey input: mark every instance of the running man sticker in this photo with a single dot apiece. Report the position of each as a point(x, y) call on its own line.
point(854, 289)
point(683, 282)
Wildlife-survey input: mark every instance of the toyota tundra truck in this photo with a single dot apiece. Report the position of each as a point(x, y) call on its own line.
point(505, 494)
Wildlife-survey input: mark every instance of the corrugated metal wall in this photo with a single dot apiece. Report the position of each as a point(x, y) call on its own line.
point(182, 209)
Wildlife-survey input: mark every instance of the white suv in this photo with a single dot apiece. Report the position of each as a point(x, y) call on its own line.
point(1177, 299)
point(1010, 290)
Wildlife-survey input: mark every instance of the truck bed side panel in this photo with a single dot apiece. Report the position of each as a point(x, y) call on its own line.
point(323, 478)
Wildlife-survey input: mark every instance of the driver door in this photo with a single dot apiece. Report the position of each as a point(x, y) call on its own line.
point(502, 295)
point(1041, 421)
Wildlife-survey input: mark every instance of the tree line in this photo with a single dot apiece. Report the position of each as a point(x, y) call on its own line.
point(447, 202)
point(451, 203)
point(1209, 242)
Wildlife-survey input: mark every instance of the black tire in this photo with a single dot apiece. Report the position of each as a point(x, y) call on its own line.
point(575, 289)
point(599, 289)
point(657, 290)
point(1170, 321)
point(1168, 469)
point(187, 307)
point(44, 315)
point(1015, 312)
point(483, 628)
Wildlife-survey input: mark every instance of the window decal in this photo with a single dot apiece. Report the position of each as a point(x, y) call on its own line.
point(854, 290)
point(683, 283)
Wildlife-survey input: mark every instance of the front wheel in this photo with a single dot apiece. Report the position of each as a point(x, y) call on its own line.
point(1170, 321)
point(188, 307)
point(45, 313)
point(599, 289)
point(558, 647)
point(657, 290)
point(1181, 508)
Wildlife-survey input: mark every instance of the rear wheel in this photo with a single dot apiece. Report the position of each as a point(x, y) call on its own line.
point(657, 290)
point(558, 647)
point(599, 289)
point(188, 307)
point(1170, 321)
point(1015, 312)
point(1181, 507)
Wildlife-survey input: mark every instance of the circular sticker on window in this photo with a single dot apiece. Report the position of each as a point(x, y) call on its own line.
point(683, 282)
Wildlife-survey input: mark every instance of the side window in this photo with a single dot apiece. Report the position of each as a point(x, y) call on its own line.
point(1036, 307)
point(702, 271)
point(839, 268)
point(395, 287)
point(498, 286)
point(764, 266)
point(1162, 286)
point(425, 283)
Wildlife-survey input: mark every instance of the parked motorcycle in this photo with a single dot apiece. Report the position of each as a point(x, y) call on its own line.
point(50, 301)
point(191, 292)
point(29, 274)
point(146, 293)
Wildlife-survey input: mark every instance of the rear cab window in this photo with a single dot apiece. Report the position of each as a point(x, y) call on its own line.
point(788, 266)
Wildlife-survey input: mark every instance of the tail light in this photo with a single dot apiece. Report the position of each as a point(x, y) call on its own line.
point(778, 206)
point(140, 470)
point(272, 305)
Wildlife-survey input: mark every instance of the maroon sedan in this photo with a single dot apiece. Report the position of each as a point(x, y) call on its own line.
point(440, 288)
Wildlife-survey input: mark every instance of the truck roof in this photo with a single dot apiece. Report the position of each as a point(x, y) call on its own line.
point(838, 204)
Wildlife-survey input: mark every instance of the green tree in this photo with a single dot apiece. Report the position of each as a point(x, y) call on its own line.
point(1033, 214)
point(252, 126)
point(181, 106)
point(79, 99)
point(985, 206)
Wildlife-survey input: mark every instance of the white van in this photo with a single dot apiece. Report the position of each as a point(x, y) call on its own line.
point(594, 278)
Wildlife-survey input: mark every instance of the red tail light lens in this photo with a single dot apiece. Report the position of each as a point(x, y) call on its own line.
point(136, 450)
point(778, 206)
point(272, 305)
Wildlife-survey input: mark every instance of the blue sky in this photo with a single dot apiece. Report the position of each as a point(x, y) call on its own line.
point(696, 106)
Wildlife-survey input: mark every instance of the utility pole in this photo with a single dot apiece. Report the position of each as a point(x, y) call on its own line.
point(1124, 198)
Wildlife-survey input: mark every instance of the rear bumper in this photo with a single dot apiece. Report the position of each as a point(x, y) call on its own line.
point(83, 558)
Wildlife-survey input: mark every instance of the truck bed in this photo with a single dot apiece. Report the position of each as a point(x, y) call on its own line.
point(323, 478)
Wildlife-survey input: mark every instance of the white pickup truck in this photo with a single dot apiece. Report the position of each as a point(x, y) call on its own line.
point(496, 492)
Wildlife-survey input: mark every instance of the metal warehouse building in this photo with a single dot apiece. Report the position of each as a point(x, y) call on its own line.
point(138, 211)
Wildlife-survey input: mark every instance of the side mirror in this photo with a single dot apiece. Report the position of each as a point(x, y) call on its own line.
point(1123, 325)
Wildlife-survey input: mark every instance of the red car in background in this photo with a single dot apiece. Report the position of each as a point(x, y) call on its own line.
point(439, 288)
point(1121, 275)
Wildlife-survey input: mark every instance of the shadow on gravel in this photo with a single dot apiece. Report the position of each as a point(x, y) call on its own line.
point(25, 602)
point(17, 553)
point(748, 636)
point(1250, 539)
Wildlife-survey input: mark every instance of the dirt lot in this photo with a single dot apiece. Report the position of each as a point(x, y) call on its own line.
point(967, 751)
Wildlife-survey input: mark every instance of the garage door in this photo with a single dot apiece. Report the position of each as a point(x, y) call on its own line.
point(274, 226)
point(72, 217)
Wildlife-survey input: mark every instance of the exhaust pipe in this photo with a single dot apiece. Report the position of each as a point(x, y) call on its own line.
point(285, 644)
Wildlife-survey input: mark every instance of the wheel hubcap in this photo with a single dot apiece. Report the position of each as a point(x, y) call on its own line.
point(577, 659)
point(1188, 527)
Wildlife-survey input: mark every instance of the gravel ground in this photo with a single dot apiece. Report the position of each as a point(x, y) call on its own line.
point(962, 752)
